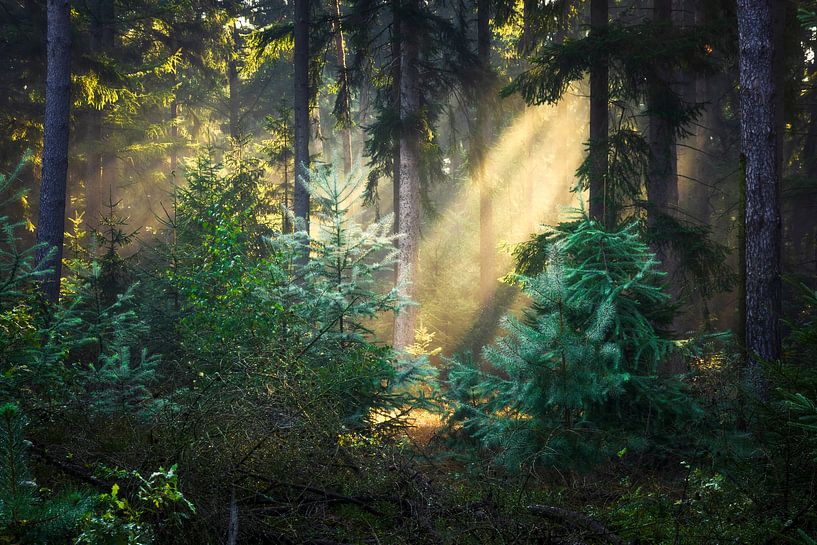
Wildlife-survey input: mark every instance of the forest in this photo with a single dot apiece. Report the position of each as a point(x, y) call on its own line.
point(405, 272)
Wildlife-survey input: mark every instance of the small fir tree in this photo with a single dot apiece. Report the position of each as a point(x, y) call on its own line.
point(576, 379)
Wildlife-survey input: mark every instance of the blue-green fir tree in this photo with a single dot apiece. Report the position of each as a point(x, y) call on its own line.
point(576, 379)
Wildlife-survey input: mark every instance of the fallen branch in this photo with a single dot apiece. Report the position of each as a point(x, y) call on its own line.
point(362, 502)
point(576, 520)
point(70, 469)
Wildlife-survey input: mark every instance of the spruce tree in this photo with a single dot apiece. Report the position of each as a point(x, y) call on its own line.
point(577, 378)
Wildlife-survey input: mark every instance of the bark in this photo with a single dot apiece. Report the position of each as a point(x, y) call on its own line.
point(487, 244)
point(51, 221)
point(760, 143)
point(346, 130)
point(301, 111)
point(396, 70)
point(409, 190)
point(599, 122)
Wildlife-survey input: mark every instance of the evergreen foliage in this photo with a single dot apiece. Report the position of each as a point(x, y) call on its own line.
point(26, 516)
point(577, 379)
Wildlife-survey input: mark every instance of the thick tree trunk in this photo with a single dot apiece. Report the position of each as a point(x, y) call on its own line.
point(301, 112)
point(346, 130)
point(51, 221)
point(479, 155)
point(760, 143)
point(599, 123)
point(409, 191)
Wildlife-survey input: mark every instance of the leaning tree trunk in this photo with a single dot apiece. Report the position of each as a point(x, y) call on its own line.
point(51, 222)
point(760, 143)
point(487, 244)
point(599, 123)
point(409, 191)
point(301, 112)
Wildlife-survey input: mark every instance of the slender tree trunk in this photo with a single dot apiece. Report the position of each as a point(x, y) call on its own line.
point(346, 130)
point(100, 164)
point(301, 111)
point(526, 43)
point(662, 181)
point(51, 221)
point(760, 143)
point(174, 136)
point(662, 178)
point(93, 168)
point(287, 228)
point(316, 134)
point(409, 192)
point(479, 155)
point(801, 223)
point(396, 72)
point(232, 528)
point(232, 76)
point(599, 123)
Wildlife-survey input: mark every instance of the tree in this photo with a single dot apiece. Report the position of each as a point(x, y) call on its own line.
point(576, 379)
point(662, 181)
point(301, 111)
point(760, 137)
point(487, 262)
point(100, 163)
point(51, 222)
point(599, 120)
point(409, 190)
point(343, 106)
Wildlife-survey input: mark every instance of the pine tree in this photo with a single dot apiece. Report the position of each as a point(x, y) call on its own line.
point(51, 221)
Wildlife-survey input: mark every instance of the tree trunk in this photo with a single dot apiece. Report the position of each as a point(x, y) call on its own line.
point(346, 130)
point(487, 244)
point(396, 70)
point(51, 221)
point(526, 43)
point(93, 168)
point(100, 163)
point(662, 177)
point(174, 136)
point(232, 76)
point(760, 143)
point(301, 112)
point(599, 123)
point(409, 190)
